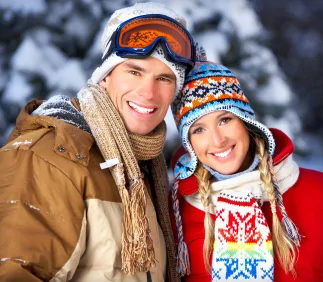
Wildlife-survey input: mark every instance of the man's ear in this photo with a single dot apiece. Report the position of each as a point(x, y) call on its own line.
point(103, 83)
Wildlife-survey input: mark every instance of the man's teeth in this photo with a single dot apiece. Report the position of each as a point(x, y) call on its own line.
point(140, 109)
point(223, 154)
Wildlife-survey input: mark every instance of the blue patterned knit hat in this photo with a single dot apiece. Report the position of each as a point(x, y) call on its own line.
point(210, 87)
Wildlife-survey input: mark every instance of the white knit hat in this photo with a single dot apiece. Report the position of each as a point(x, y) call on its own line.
point(124, 14)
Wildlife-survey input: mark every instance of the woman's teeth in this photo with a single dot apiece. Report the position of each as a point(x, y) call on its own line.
point(223, 154)
point(140, 109)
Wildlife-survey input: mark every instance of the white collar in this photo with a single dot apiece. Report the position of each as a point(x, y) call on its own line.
point(287, 173)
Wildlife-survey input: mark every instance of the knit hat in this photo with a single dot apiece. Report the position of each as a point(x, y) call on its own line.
point(124, 14)
point(210, 87)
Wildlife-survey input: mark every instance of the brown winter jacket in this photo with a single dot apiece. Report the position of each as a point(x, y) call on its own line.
point(60, 214)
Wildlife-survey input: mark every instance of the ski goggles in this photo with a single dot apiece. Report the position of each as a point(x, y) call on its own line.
point(137, 38)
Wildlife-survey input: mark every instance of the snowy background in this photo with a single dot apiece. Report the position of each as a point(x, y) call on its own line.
point(50, 47)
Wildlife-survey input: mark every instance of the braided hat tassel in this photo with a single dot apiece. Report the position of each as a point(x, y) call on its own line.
point(183, 261)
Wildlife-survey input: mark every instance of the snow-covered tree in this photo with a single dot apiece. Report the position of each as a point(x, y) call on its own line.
point(50, 47)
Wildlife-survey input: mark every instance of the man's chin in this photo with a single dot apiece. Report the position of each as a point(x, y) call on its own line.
point(140, 129)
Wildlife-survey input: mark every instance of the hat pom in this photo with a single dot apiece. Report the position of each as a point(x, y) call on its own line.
point(200, 53)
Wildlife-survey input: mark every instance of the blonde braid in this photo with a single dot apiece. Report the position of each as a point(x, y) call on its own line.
point(284, 248)
point(203, 176)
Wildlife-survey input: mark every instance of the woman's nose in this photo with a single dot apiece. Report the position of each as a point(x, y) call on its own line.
point(218, 138)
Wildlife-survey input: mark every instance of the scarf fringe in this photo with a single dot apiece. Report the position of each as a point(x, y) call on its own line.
point(142, 242)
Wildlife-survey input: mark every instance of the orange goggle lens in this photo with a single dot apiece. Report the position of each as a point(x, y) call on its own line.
point(141, 33)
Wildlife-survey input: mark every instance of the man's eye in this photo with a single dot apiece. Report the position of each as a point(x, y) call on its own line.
point(134, 72)
point(164, 79)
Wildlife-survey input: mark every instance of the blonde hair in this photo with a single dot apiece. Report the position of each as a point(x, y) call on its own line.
point(284, 247)
point(204, 189)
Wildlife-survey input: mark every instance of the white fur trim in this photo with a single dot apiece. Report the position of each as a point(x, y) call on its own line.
point(287, 173)
point(107, 66)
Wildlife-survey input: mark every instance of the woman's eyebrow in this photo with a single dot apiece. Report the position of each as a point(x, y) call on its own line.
point(217, 117)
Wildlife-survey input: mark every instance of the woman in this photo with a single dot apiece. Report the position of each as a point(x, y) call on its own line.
point(236, 189)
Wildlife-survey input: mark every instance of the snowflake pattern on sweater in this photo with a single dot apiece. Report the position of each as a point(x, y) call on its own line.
point(243, 247)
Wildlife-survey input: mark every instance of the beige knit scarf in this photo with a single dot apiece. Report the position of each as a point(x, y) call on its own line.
point(114, 141)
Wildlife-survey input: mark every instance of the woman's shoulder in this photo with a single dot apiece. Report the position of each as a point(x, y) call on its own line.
point(188, 186)
point(307, 192)
point(311, 181)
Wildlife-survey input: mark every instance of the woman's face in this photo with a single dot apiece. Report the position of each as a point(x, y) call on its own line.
point(221, 141)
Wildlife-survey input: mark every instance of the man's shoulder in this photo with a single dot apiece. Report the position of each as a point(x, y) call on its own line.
point(50, 138)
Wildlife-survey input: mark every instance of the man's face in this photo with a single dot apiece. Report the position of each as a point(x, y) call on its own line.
point(141, 90)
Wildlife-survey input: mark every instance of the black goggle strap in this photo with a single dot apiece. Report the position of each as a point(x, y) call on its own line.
point(111, 47)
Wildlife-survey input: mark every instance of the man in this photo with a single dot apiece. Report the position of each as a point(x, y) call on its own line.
point(83, 183)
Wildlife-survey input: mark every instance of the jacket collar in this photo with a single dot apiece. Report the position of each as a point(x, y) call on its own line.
point(70, 141)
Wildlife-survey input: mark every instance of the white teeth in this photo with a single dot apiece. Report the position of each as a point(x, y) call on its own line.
point(140, 109)
point(223, 154)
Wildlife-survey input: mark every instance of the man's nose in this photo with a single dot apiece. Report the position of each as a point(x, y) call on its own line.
point(147, 88)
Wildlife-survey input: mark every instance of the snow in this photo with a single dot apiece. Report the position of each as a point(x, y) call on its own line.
point(50, 107)
point(258, 57)
point(27, 57)
point(288, 122)
point(115, 5)
point(35, 59)
point(23, 6)
point(276, 92)
point(310, 162)
point(214, 50)
point(96, 44)
point(14, 259)
point(18, 90)
point(26, 142)
point(243, 16)
point(31, 206)
point(59, 11)
point(70, 77)
point(77, 28)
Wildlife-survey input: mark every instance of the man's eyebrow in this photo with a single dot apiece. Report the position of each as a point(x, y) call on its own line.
point(171, 76)
point(134, 66)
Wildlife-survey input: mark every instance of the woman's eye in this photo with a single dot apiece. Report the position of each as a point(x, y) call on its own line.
point(225, 120)
point(197, 130)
